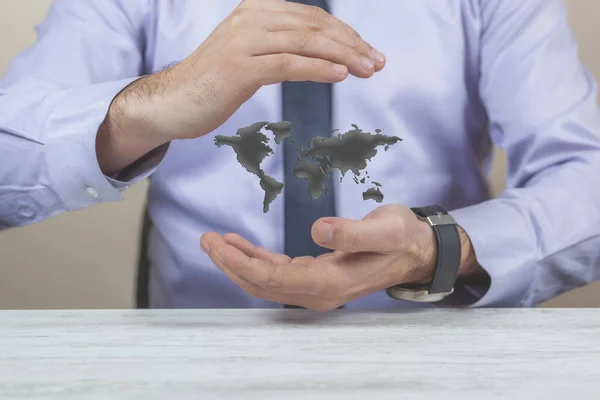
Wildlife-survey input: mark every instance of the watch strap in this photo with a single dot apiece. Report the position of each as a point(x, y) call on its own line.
point(448, 248)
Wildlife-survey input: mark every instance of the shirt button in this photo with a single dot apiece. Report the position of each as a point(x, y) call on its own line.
point(92, 192)
point(26, 211)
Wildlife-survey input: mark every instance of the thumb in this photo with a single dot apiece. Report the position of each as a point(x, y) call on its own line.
point(373, 235)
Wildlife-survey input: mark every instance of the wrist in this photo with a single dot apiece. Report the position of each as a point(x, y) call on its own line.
point(426, 256)
point(446, 259)
point(469, 267)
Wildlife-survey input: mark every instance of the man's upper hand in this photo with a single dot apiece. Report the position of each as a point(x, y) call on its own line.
point(261, 42)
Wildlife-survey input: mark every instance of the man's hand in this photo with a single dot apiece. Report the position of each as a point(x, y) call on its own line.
point(261, 42)
point(388, 247)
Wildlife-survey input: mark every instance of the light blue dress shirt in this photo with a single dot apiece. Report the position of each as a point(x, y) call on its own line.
point(461, 75)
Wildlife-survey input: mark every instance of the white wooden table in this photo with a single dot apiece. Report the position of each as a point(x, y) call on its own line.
point(296, 354)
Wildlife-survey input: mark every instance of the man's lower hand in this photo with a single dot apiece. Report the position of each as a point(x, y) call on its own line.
point(387, 247)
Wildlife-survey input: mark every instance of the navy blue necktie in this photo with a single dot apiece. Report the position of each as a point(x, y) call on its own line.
point(308, 106)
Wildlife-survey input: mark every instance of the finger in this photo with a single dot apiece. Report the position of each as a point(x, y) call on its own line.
point(312, 18)
point(306, 301)
point(313, 45)
point(370, 235)
point(255, 251)
point(276, 68)
point(255, 3)
point(347, 35)
point(221, 252)
point(325, 256)
point(258, 292)
point(312, 12)
point(231, 261)
point(227, 256)
point(278, 21)
point(304, 260)
point(289, 7)
point(281, 278)
point(309, 302)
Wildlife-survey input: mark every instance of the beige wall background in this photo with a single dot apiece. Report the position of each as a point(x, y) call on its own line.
point(71, 262)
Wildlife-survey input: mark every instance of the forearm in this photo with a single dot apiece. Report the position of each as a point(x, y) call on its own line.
point(128, 132)
point(469, 269)
point(540, 236)
point(538, 241)
point(54, 97)
point(48, 156)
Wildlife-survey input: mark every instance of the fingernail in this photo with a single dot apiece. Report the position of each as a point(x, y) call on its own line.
point(204, 245)
point(367, 63)
point(326, 231)
point(377, 56)
point(340, 69)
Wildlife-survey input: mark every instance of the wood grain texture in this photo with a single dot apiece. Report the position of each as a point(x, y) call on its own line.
point(296, 354)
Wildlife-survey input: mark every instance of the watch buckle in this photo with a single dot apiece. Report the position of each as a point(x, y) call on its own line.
point(440, 219)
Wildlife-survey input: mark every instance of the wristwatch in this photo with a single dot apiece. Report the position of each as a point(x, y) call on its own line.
point(447, 262)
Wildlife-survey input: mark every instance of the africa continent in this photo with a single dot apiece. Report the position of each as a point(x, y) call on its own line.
point(349, 151)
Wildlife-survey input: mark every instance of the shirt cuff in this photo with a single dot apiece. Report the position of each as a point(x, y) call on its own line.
point(70, 151)
point(138, 170)
point(503, 247)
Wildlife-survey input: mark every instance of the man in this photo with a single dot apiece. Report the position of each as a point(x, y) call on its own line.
point(78, 125)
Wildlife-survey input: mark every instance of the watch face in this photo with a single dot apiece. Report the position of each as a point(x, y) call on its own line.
point(418, 295)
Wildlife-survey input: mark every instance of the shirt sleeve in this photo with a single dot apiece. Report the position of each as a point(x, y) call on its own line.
point(541, 236)
point(52, 101)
